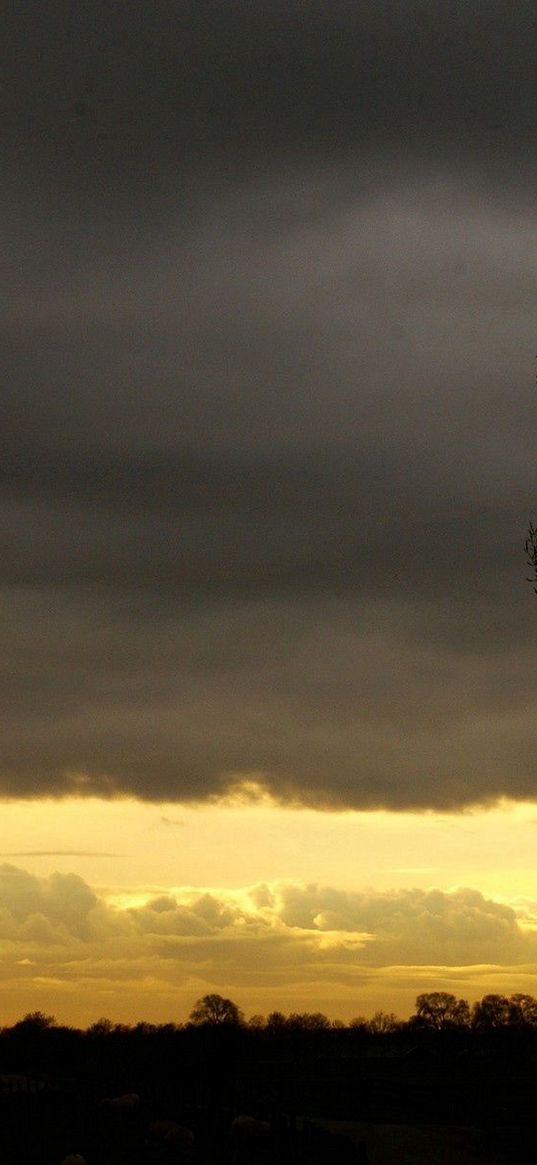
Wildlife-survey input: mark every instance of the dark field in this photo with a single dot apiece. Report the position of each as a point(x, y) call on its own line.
point(338, 1095)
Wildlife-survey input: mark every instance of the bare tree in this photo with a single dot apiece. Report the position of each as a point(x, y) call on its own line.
point(523, 1010)
point(491, 1012)
point(440, 1010)
point(530, 546)
point(383, 1023)
point(214, 1010)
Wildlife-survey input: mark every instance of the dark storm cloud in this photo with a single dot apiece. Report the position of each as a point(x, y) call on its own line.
point(128, 90)
point(269, 410)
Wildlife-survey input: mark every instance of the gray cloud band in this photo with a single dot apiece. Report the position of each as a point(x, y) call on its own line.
point(267, 431)
point(135, 100)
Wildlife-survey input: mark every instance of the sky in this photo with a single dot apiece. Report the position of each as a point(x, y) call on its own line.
point(268, 678)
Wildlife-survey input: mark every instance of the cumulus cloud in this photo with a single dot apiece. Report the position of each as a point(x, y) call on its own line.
point(267, 432)
point(261, 942)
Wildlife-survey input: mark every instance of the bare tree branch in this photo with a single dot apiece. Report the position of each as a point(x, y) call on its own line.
point(530, 547)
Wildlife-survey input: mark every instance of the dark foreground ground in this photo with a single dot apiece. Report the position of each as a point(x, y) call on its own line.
point(312, 1099)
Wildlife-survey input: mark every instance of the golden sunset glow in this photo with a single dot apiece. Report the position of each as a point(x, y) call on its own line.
point(133, 909)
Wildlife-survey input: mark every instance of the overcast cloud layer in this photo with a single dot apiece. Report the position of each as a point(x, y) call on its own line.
point(268, 428)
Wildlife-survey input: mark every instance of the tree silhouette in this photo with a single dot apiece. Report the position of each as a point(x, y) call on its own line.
point(312, 1021)
point(383, 1023)
point(440, 1010)
point(523, 1010)
point(214, 1010)
point(492, 1012)
point(34, 1022)
point(276, 1021)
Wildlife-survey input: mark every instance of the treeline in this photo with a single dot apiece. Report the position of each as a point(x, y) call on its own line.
point(436, 1011)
